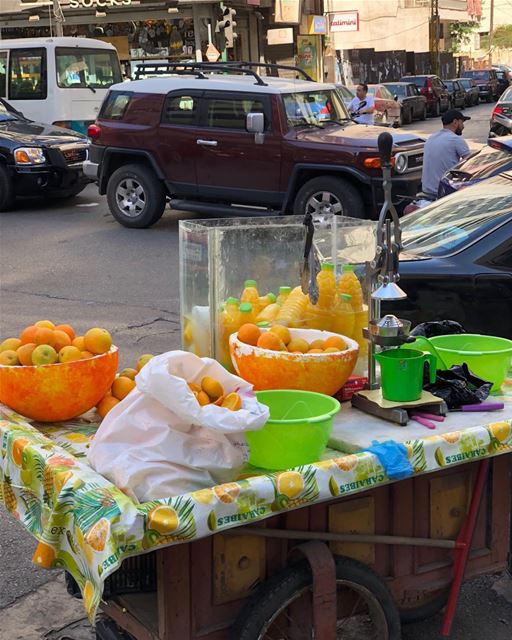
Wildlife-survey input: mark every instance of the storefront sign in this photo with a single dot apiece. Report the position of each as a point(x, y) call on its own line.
point(345, 21)
point(287, 11)
point(89, 4)
point(280, 36)
point(313, 25)
point(308, 54)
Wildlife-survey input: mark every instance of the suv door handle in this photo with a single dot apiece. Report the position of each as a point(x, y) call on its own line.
point(207, 143)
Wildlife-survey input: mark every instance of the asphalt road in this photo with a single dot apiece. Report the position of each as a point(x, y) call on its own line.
point(71, 262)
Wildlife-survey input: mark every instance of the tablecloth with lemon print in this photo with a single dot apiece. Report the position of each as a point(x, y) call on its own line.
point(87, 526)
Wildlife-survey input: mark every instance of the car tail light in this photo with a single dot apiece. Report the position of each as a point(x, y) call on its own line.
point(93, 131)
point(497, 109)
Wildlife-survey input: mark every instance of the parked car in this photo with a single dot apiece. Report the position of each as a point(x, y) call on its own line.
point(210, 142)
point(503, 80)
point(501, 117)
point(387, 109)
point(457, 93)
point(472, 93)
point(457, 259)
point(38, 159)
point(432, 87)
point(345, 94)
point(487, 83)
point(493, 158)
point(413, 105)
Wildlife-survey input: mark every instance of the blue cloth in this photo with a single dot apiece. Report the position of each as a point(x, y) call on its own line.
point(393, 457)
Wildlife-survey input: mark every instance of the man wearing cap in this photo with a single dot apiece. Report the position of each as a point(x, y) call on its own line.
point(443, 150)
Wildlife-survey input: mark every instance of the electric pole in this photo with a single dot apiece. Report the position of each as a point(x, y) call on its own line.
point(491, 29)
point(434, 36)
point(59, 18)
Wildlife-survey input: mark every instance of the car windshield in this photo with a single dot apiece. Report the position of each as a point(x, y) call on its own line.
point(6, 115)
point(419, 81)
point(466, 83)
point(397, 89)
point(345, 93)
point(447, 225)
point(477, 75)
point(82, 68)
point(315, 108)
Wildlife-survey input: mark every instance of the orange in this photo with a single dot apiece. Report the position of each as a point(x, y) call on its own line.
point(227, 492)
point(79, 343)
point(195, 388)
point(202, 398)
point(298, 345)
point(67, 328)
point(9, 358)
point(332, 350)
point(61, 340)
point(219, 401)
point(69, 354)
point(97, 340)
point(44, 336)
point(44, 354)
point(271, 341)
point(25, 353)
point(84, 355)
point(249, 333)
point(105, 405)
point(11, 344)
point(96, 536)
point(337, 342)
point(163, 519)
point(28, 334)
point(316, 351)
point(44, 555)
point(129, 373)
point(232, 401)
point(143, 360)
point(317, 344)
point(282, 332)
point(18, 447)
point(122, 386)
point(47, 324)
point(212, 387)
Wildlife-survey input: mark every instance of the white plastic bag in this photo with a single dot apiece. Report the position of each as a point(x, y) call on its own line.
point(159, 442)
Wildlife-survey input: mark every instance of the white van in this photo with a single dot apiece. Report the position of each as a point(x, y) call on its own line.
point(60, 81)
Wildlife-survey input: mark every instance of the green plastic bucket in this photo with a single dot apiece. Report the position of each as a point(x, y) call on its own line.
point(297, 431)
point(488, 357)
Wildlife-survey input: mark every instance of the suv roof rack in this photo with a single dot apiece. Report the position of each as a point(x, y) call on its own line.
point(197, 69)
point(271, 66)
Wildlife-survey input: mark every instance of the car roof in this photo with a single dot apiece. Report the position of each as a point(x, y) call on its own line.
point(220, 82)
point(397, 83)
point(64, 41)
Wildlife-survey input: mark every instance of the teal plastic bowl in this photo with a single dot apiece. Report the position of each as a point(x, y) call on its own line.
point(488, 357)
point(297, 431)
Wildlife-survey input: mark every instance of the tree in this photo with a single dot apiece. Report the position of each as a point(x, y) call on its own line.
point(460, 34)
point(502, 38)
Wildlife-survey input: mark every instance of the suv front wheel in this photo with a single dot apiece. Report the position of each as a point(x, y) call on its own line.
point(328, 194)
point(136, 197)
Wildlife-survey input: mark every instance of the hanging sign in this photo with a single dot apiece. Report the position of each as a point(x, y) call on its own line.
point(345, 21)
point(287, 11)
point(212, 53)
point(280, 36)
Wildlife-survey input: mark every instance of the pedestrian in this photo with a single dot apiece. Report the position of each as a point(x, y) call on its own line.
point(362, 107)
point(443, 150)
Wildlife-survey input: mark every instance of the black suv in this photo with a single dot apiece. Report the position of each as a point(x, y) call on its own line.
point(38, 159)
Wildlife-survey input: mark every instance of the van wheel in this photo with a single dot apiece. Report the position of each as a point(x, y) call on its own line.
point(6, 191)
point(136, 197)
point(328, 194)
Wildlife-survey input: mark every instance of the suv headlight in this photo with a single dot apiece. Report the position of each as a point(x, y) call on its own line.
point(401, 163)
point(29, 155)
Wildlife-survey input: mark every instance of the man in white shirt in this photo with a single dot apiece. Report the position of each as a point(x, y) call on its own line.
point(443, 150)
point(362, 107)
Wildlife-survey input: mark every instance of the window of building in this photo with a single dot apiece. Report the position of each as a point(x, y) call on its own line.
point(27, 78)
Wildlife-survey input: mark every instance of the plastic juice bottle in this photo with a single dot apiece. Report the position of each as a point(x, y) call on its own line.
point(246, 313)
point(326, 286)
point(229, 322)
point(349, 283)
point(284, 293)
point(263, 325)
point(292, 312)
point(344, 316)
point(269, 313)
point(265, 301)
point(250, 294)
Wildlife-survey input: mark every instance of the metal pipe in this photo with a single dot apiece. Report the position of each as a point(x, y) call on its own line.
point(343, 537)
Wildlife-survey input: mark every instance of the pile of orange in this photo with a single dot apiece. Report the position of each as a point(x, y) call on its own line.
point(46, 343)
point(210, 391)
point(121, 387)
point(278, 338)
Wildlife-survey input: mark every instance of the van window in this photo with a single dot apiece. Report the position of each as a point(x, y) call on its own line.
point(3, 74)
point(80, 68)
point(27, 77)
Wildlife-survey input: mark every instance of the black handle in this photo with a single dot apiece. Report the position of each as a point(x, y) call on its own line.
point(385, 143)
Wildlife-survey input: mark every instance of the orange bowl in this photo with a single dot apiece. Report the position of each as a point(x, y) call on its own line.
point(55, 392)
point(321, 372)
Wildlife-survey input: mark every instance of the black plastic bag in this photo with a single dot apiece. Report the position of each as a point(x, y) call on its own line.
point(437, 328)
point(458, 386)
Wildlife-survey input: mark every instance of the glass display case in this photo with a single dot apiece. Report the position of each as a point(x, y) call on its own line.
point(218, 256)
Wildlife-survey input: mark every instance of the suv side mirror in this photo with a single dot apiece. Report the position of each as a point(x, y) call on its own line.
point(255, 123)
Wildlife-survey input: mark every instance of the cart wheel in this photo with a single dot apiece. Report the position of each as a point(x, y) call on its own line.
point(282, 606)
point(425, 610)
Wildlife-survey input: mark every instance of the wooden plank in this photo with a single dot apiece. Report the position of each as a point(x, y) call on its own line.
point(449, 502)
point(173, 582)
point(353, 516)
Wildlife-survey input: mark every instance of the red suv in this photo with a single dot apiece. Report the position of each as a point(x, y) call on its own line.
point(432, 87)
point(237, 143)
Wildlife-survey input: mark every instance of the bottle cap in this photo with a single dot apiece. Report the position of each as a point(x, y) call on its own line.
point(348, 267)
point(246, 307)
point(284, 290)
point(346, 297)
point(327, 266)
point(250, 283)
point(232, 300)
point(271, 296)
point(263, 324)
